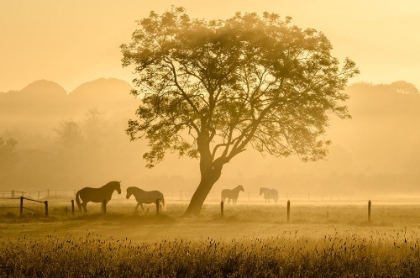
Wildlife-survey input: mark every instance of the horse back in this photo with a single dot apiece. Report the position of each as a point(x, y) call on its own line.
point(149, 197)
point(96, 195)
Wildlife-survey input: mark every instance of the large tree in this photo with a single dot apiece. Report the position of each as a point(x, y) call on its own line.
point(210, 89)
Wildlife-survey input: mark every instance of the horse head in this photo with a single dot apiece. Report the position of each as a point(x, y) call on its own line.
point(262, 189)
point(129, 192)
point(241, 188)
point(118, 187)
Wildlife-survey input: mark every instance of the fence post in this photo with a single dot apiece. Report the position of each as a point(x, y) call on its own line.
point(369, 209)
point(288, 210)
point(46, 208)
point(157, 206)
point(72, 207)
point(222, 208)
point(104, 206)
point(48, 193)
point(21, 206)
point(13, 193)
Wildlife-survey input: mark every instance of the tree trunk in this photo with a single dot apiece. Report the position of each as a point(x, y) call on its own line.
point(208, 179)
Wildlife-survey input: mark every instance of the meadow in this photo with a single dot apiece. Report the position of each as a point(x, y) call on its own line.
point(323, 239)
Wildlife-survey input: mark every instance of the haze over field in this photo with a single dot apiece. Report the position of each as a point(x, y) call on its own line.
point(61, 68)
point(374, 154)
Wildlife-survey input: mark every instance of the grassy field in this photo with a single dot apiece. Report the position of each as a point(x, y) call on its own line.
point(252, 240)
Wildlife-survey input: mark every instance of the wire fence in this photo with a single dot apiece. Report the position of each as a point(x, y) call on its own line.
point(38, 202)
point(213, 196)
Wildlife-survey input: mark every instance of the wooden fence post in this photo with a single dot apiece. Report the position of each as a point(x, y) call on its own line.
point(104, 206)
point(21, 206)
point(369, 209)
point(222, 208)
point(13, 193)
point(46, 208)
point(288, 210)
point(157, 206)
point(72, 207)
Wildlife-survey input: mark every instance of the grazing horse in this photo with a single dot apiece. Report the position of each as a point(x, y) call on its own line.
point(232, 194)
point(145, 197)
point(269, 194)
point(97, 195)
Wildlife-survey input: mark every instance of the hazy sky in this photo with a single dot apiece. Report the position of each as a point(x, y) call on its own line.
point(71, 42)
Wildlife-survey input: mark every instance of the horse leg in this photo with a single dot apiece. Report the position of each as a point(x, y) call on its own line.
point(141, 204)
point(135, 209)
point(84, 206)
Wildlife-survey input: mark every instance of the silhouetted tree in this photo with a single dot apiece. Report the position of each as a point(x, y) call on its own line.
point(95, 127)
point(404, 87)
point(8, 156)
point(70, 135)
point(210, 89)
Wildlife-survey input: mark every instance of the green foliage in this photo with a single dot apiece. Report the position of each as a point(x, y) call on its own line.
point(212, 88)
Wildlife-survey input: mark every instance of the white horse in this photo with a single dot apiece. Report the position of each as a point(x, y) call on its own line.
point(269, 194)
point(232, 194)
point(145, 197)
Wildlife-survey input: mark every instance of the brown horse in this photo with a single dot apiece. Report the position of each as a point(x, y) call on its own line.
point(97, 195)
point(232, 194)
point(269, 194)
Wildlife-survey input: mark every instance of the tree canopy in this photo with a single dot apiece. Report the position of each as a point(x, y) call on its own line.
point(210, 89)
point(8, 155)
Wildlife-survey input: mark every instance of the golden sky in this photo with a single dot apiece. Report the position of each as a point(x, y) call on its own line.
point(72, 42)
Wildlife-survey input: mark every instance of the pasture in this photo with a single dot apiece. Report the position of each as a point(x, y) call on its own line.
point(323, 239)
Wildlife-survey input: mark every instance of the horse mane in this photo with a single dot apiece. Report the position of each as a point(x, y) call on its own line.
point(135, 188)
point(111, 183)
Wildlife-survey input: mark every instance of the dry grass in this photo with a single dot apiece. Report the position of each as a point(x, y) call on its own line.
point(251, 241)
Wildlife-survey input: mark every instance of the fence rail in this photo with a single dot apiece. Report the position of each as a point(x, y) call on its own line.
point(214, 196)
point(288, 203)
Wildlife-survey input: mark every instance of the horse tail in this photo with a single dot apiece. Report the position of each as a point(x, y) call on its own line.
point(79, 205)
point(163, 201)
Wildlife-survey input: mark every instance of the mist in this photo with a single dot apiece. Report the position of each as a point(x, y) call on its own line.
point(68, 140)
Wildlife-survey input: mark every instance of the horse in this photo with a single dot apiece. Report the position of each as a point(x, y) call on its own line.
point(97, 195)
point(269, 194)
point(144, 197)
point(232, 194)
